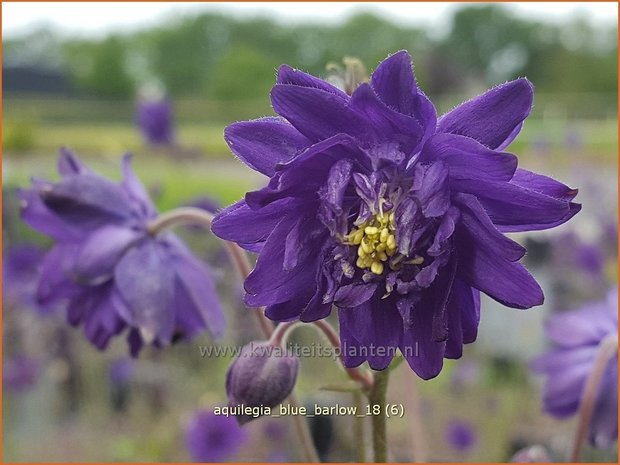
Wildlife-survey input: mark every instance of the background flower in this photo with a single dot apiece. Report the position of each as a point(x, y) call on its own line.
point(213, 438)
point(577, 337)
point(113, 272)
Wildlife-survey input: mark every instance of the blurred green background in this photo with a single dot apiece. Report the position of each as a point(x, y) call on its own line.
point(80, 90)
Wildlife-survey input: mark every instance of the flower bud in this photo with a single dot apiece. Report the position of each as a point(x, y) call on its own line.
point(262, 376)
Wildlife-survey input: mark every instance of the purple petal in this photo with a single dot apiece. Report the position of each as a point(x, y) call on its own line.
point(378, 327)
point(515, 208)
point(353, 295)
point(543, 185)
point(145, 281)
point(507, 282)
point(87, 200)
point(351, 349)
point(423, 353)
point(198, 283)
point(54, 280)
point(238, 223)
point(479, 225)
point(262, 144)
point(288, 75)
point(468, 159)
point(69, 164)
point(433, 193)
point(101, 252)
point(318, 114)
point(136, 189)
point(38, 216)
point(494, 117)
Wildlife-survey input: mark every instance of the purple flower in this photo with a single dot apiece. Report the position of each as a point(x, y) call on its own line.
point(19, 373)
point(20, 272)
point(460, 435)
point(155, 119)
point(213, 438)
point(112, 271)
point(121, 371)
point(577, 336)
point(392, 215)
point(262, 375)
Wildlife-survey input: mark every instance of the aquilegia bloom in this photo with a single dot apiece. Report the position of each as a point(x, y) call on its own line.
point(577, 336)
point(155, 120)
point(375, 206)
point(112, 271)
point(213, 438)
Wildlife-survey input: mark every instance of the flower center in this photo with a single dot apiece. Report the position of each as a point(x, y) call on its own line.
point(375, 240)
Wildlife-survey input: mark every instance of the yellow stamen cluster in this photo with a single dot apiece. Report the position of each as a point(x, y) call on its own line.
point(376, 241)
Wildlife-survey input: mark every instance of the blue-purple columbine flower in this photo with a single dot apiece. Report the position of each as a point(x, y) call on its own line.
point(156, 121)
point(213, 438)
point(113, 272)
point(392, 215)
point(461, 435)
point(577, 337)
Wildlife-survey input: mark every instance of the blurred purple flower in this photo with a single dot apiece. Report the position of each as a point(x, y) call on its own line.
point(213, 438)
point(113, 272)
point(20, 272)
point(577, 336)
point(19, 373)
point(155, 119)
point(392, 215)
point(461, 435)
point(121, 371)
point(572, 253)
point(464, 374)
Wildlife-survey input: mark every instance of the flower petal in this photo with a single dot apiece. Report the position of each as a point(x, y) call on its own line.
point(136, 189)
point(69, 164)
point(505, 281)
point(101, 252)
point(493, 118)
point(378, 327)
point(34, 212)
point(423, 353)
point(353, 295)
point(288, 75)
point(515, 208)
point(262, 144)
point(478, 223)
point(197, 282)
point(318, 114)
point(468, 159)
point(145, 281)
point(239, 223)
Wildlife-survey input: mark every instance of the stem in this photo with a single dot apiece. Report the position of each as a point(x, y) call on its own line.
point(364, 378)
point(607, 349)
point(192, 215)
point(377, 397)
point(358, 432)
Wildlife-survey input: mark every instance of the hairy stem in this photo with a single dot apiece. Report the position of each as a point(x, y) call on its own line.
point(377, 396)
point(363, 377)
point(198, 216)
point(607, 349)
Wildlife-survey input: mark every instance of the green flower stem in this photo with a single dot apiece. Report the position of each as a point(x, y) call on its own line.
point(198, 216)
point(377, 396)
point(607, 350)
point(358, 429)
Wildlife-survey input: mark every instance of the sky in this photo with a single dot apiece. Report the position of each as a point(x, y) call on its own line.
point(100, 18)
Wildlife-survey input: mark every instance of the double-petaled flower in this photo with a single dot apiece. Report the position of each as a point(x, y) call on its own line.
point(113, 271)
point(392, 215)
